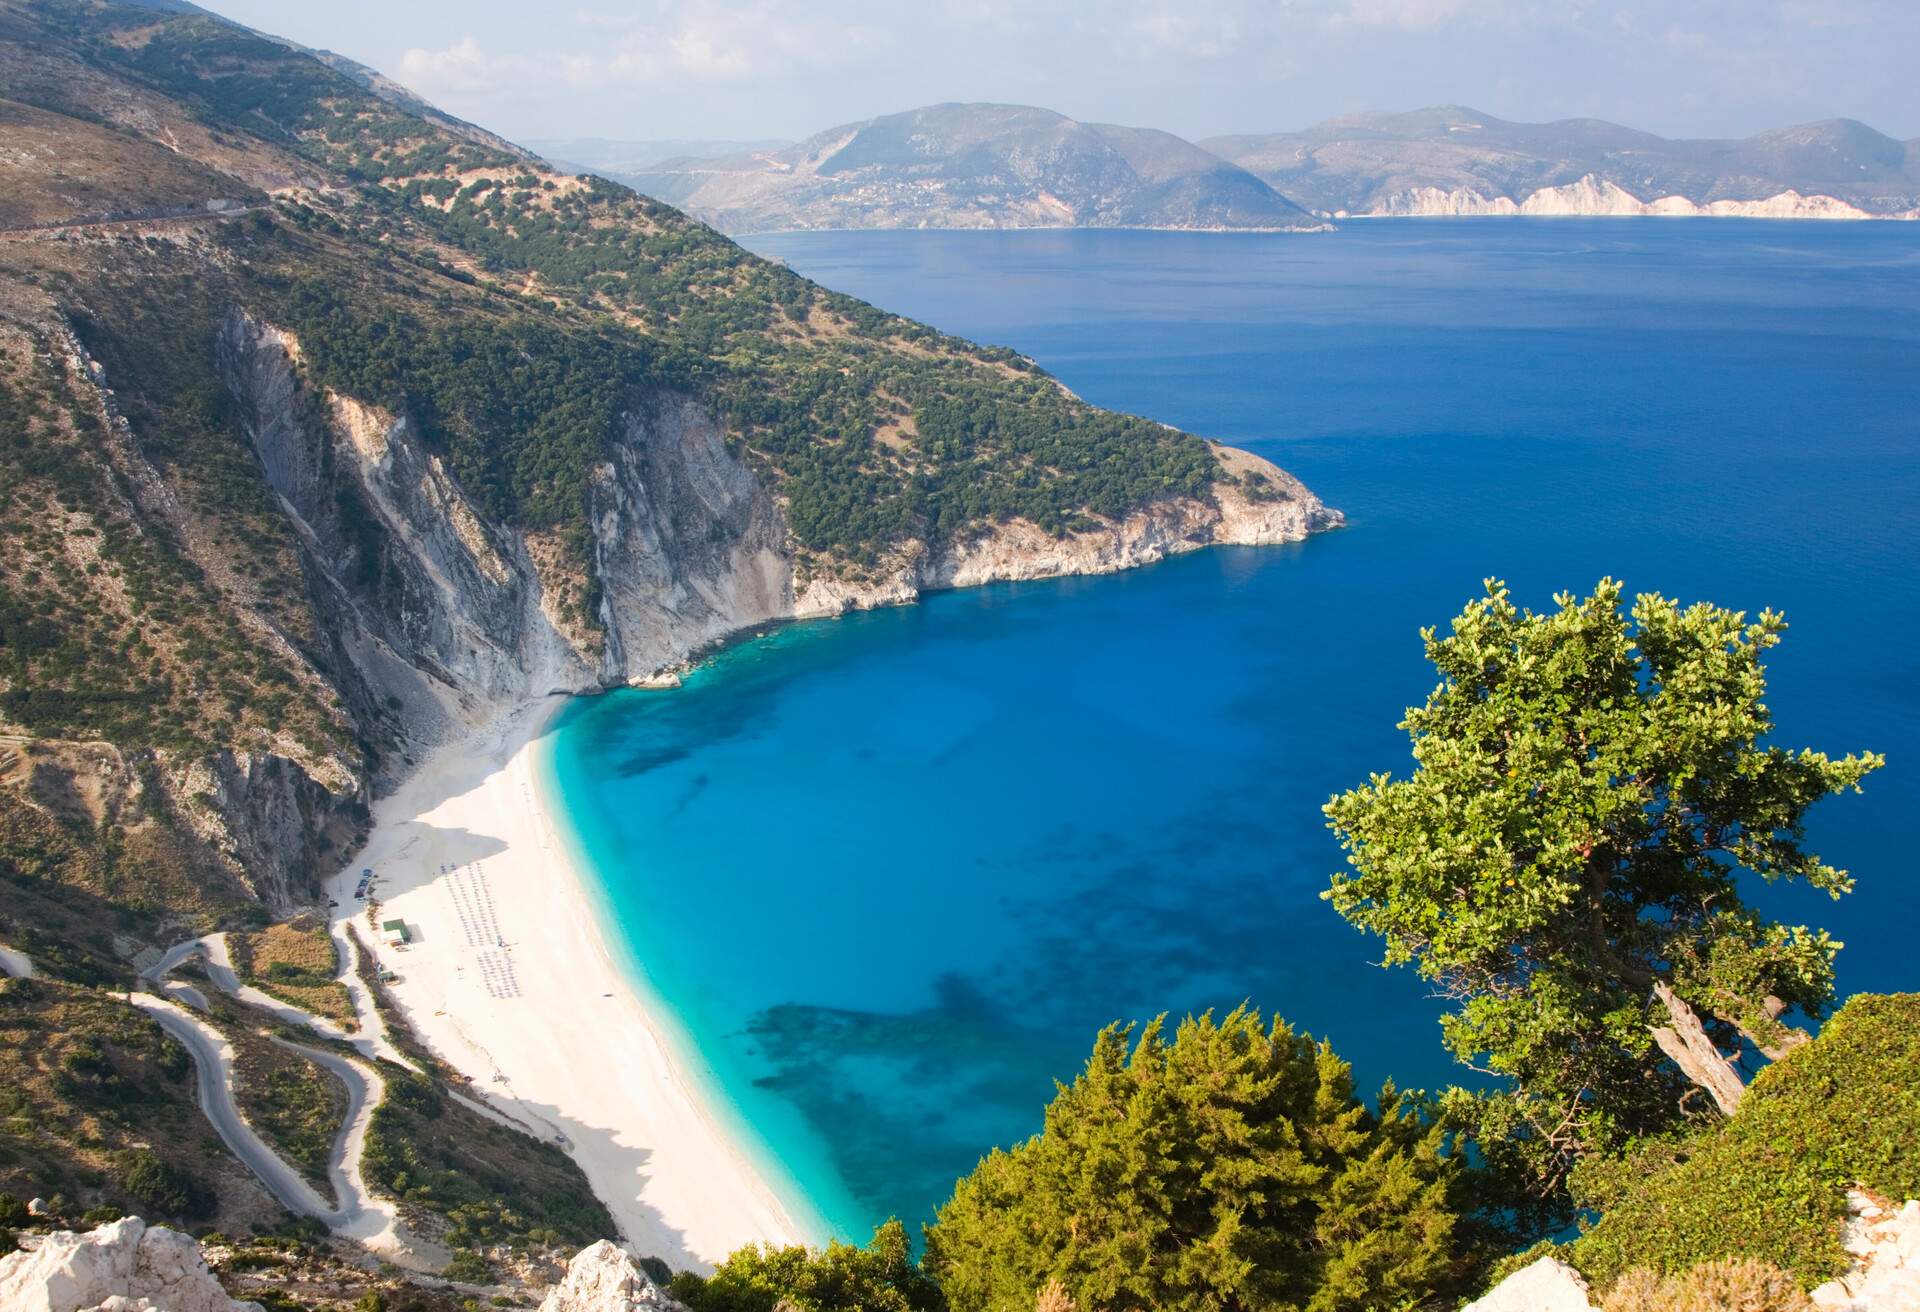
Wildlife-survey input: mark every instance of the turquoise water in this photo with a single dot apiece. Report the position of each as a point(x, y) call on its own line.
point(892, 871)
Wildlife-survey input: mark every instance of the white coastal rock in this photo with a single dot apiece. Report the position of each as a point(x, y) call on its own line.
point(1594, 196)
point(603, 1277)
point(1549, 1285)
point(1886, 1260)
point(127, 1266)
point(1258, 505)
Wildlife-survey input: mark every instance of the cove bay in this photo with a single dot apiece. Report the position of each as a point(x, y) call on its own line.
point(888, 873)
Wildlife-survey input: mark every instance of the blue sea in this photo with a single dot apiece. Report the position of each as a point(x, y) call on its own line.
point(892, 872)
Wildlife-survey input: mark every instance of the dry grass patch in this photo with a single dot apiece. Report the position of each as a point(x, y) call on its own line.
point(295, 963)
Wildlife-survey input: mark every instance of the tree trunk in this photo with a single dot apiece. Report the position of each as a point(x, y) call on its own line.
point(1687, 1044)
point(1788, 1039)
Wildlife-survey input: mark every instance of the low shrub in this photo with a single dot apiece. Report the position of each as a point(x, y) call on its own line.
point(160, 1186)
point(840, 1278)
point(469, 1268)
point(1771, 1183)
point(1734, 1285)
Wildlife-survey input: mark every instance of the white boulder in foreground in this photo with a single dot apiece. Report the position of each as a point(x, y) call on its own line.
point(1549, 1285)
point(1886, 1260)
point(127, 1266)
point(602, 1277)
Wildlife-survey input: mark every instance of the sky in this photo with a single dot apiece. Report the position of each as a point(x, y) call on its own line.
point(652, 69)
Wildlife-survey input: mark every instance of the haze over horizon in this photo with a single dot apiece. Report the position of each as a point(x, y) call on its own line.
point(776, 68)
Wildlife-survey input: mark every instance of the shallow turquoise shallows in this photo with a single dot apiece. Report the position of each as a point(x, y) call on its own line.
point(892, 872)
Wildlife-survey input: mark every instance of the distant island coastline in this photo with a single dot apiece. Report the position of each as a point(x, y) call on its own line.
point(981, 166)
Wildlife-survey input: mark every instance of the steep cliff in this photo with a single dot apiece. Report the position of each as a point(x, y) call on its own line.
point(689, 545)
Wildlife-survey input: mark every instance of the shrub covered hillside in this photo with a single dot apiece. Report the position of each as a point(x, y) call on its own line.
point(188, 730)
point(1840, 1112)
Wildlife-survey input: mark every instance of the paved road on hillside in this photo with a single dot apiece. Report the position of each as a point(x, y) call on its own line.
point(358, 1213)
point(213, 1064)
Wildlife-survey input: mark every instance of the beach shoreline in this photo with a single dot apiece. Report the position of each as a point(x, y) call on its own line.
point(508, 976)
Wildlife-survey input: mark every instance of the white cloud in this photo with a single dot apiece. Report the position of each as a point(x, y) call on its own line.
point(706, 53)
point(1429, 15)
point(1188, 30)
point(462, 68)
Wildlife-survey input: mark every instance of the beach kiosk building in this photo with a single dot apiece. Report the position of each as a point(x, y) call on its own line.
point(395, 932)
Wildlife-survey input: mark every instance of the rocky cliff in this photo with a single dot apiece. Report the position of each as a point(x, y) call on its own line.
point(461, 616)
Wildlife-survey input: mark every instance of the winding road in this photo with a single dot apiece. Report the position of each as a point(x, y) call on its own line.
point(213, 1062)
point(357, 1213)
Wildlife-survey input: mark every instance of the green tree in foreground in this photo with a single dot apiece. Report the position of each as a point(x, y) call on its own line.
point(1564, 863)
point(881, 1277)
point(1229, 1167)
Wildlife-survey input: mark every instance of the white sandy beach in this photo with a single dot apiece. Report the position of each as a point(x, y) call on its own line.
point(509, 980)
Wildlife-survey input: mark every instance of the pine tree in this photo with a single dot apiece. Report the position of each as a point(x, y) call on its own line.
point(1229, 1167)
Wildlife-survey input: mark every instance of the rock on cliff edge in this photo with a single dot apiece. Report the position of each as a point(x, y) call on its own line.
point(1885, 1245)
point(1548, 1285)
point(603, 1277)
point(127, 1266)
point(1883, 1241)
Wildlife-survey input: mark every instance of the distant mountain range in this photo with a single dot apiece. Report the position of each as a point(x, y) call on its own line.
point(1013, 166)
point(1453, 160)
point(974, 166)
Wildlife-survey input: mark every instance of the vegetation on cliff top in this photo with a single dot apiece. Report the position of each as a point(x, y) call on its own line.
point(1229, 1165)
point(1840, 1112)
point(1565, 861)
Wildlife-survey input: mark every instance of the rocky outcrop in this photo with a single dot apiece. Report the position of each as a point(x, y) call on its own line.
point(269, 822)
point(127, 1266)
point(1258, 504)
point(689, 543)
point(1549, 1285)
point(1885, 1244)
point(603, 1277)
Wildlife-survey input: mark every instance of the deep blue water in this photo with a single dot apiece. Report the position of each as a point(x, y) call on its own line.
point(893, 871)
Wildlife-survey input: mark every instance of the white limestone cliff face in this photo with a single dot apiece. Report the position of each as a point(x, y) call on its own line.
point(689, 546)
point(602, 1277)
point(127, 1266)
point(1593, 196)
